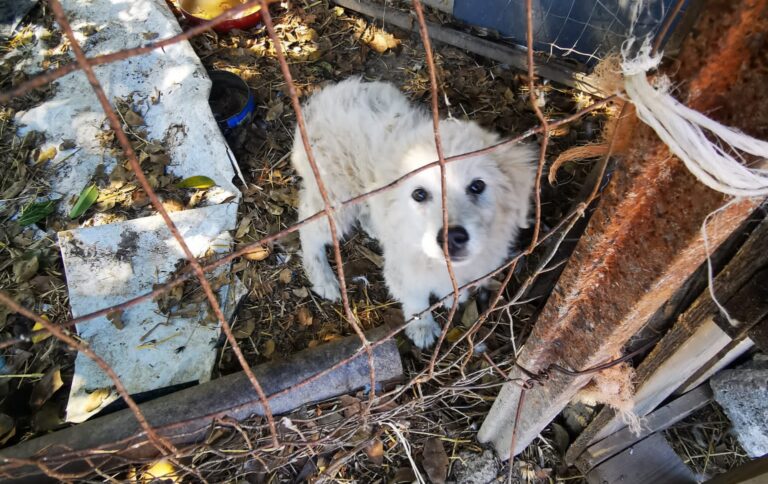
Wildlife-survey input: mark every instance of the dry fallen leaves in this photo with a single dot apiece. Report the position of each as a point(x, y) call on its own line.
point(470, 314)
point(275, 110)
point(257, 254)
point(435, 460)
point(161, 471)
point(351, 405)
point(304, 316)
point(42, 336)
point(132, 118)
point(116, 318)
point(375, 452)
point(25, 267)
point(454, 334)
point(269, 348)
point(375, 38)
point(404, 475)
point(244, 227)
point(285, 276)
point(245, 329)
point(96, 398)
point(47, 154)
point(46, 387)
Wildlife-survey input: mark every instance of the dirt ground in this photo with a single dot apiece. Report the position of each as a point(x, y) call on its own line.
point(280, 315)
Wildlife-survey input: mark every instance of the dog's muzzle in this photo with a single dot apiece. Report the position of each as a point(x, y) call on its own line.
point(458, 237)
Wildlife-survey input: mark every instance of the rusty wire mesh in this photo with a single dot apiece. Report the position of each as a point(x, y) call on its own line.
point(258, 444)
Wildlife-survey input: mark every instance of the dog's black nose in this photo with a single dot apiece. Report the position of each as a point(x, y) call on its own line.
point(457, 239)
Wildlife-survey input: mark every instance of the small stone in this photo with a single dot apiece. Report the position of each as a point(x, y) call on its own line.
point(577, 417)
point(474, 468)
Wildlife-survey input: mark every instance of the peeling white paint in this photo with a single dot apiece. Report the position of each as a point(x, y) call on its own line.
point(108, 264)
point(181, 118)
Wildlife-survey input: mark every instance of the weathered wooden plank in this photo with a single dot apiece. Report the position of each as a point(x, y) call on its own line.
point(722, 359)
point(695, 343)
point(659, 420)
point(650, 460)
point(759, 334)
point(442, 5)
point(753, 472)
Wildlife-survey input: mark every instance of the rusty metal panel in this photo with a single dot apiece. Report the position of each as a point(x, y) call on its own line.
point(644, 240)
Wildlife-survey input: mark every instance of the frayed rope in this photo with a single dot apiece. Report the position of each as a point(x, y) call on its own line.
point(683, 130)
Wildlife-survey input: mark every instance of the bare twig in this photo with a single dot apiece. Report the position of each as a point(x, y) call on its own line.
point(443, 190)
point(329, 209)
point(544, 123)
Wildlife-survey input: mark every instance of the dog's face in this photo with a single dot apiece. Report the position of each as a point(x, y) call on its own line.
point(472, 190)
point(486, 197)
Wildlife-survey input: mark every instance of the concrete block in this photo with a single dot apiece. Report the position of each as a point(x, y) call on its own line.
point(108, 264)
point(169, 88)
point(185, 417)
point(743, 394)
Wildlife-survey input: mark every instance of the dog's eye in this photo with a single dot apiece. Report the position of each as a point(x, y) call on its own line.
point(476, 187)
point(419, 195)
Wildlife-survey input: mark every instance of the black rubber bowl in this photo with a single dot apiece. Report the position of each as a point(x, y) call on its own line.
point(231, 100)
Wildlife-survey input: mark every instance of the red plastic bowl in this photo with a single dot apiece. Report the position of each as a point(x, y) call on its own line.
point(242, 23)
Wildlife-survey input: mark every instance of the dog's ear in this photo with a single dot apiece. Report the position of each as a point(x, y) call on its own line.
point(517, 162)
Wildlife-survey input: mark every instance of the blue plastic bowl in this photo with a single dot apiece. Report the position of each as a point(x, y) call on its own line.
point(231, 101)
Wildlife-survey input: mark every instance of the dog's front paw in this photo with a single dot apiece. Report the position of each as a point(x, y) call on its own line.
point(423, 332)
point(329, 290)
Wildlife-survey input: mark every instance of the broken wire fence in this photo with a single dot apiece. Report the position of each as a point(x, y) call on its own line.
point(262, 446)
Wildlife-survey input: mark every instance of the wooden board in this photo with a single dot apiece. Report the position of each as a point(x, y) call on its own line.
point(699, 349)
point(753, 472)
point(649, 461)
point(659, 420)
point(723, 359)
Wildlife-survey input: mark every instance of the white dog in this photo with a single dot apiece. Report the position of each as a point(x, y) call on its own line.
point(365, 135)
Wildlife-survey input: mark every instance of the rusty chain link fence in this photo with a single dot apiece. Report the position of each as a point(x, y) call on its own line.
point(233, 450)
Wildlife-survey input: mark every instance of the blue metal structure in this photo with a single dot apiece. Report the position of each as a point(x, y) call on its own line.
point(581, 30)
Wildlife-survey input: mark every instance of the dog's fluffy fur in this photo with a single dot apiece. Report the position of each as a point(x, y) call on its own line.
point(365, 135)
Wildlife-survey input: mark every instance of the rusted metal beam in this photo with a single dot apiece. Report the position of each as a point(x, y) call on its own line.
point(185, 417)
point(696, 345)
point(644, 239)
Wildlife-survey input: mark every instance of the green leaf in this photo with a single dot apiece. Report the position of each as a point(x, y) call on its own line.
point(87, 198)
point(201, 182)
point(35, 212)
